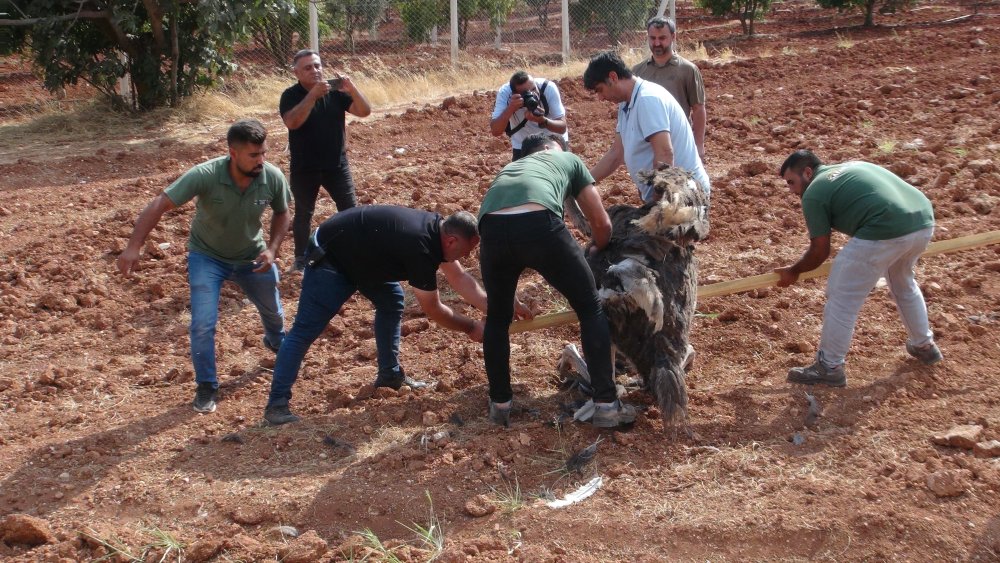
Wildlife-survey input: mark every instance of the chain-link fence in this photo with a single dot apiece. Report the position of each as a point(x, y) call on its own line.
point(544, 31)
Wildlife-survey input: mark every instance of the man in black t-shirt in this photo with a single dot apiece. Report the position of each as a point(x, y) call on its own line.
point(369, 249)
point(313, 110)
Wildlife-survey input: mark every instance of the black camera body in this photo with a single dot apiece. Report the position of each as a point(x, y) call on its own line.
point(531, 102)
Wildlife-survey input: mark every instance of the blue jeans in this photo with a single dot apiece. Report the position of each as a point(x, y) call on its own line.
point(206, 276)
point(324, 291)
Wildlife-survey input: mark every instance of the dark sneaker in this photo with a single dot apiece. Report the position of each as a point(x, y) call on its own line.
point(929, 354)
point(271, 347)
point(399, 381)
point(204, 398)
point(818, 374)
point(298, 265)
point(276, 416)
point(500, 415)
point(613, 415)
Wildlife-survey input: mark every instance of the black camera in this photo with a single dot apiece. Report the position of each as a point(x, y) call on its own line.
point(531, 101)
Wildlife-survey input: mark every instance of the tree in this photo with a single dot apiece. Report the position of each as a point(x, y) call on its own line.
point(498, 11)
point(747, 11)
point(168, 48)
point(420, 16)
point(542, 10)
point(868, 7)
point(617, 16)
point(275, 29)
point(350, 16)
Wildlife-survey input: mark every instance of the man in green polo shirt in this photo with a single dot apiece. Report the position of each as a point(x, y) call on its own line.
point(226, 242)
point(890, 224)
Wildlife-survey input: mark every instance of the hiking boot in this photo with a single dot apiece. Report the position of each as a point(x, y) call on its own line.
point(929, 354)
point(500, 414)
point(204, 398)
point(270, 347)
point(613, 415)
point(278, 415)
point(399, 381)
point(818, 374)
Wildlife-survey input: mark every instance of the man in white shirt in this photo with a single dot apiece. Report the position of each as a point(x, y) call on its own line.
point(652, 128)
point(527, 106)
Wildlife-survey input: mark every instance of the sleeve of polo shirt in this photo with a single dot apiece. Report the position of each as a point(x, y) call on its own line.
point(285, 104)
point(421, 276)
point(579, 176)
point(342, 99)
point(503, 100)
point(817, 215)
point(696, 95)
point(188, 186)
point(652, 116)
point(282, 195)
point(554, 101)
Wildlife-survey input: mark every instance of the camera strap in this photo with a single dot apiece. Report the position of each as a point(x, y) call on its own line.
point(541, 102)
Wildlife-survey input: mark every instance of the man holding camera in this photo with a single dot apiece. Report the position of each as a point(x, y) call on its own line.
point(528, 106)
point(314, 112)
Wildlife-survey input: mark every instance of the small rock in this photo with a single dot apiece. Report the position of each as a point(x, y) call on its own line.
point(283, 531)
point(948, 482)
point(479, 506)
point(202, 550)
point(306, 548)
point(964, 436)
point(990, 448)
point(248, 515)
point(979, 43)
point(25, 530)
point(524, 439)
point(429, 418)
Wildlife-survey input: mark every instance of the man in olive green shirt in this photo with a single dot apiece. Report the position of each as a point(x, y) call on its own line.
point(676, 74)
point(890, 224)
point(226, 242)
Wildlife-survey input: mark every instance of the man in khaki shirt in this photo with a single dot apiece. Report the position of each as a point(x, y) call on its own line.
point(678, 75)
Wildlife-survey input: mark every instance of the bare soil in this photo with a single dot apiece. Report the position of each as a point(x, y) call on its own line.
point(99, 442)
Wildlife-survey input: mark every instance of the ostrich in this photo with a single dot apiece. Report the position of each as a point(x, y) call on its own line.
point(647, 277)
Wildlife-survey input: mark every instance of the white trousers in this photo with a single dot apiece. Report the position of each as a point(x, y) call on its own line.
point(856, 269)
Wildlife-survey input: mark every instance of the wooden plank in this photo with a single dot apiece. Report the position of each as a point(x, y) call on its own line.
point(767, 280)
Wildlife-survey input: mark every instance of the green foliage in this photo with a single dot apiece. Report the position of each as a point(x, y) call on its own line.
point(170, 47)
point(617, 16)
point(868, 7)
point(274, 30)
point(420, 16)
point(541, 8)
point(350, 16)
point(747, 11)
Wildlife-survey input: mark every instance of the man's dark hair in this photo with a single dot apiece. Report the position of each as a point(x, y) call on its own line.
point(461, 224)
point(518, 78)
point(799, 161)
point(601, 66)
point(246, 131)
point(538, 142)
point(301, 54)
point(659, 21)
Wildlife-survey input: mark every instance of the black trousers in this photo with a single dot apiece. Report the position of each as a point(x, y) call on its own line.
point(539, 240)
point(305, 188)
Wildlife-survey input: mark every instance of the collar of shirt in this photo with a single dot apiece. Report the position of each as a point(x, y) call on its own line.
point(672, 61)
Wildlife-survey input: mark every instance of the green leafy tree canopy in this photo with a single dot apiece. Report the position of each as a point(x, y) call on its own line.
point(169, 48)
point(747, 11)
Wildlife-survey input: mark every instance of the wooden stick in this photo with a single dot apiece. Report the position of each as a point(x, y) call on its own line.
point(767, 280)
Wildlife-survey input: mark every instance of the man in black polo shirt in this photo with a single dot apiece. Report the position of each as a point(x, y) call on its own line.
point(313, 110)
point(370, 249)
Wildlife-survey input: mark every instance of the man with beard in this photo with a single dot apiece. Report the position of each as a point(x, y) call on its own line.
point(226, 242)
point(314, 109)
point(652, 129)
point(676, 74)
point(890, 224)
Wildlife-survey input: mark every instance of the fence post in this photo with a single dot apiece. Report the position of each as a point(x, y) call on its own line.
point(565, 31)
point(454, 32)
point(313, 26)
point(673, 9)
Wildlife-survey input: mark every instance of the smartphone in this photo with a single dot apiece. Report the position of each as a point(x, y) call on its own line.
point(335, 83)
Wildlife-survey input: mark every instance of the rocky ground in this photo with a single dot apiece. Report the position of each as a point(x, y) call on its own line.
point(102, 456)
